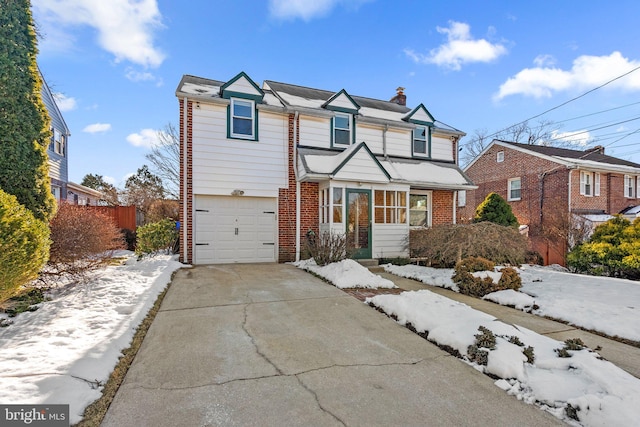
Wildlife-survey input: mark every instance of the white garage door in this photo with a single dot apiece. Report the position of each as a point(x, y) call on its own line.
point(234, 229)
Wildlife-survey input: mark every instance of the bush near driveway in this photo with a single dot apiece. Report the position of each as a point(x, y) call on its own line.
point(445, 245)
point(613, 250)
point(24, 245)
point(156, 236)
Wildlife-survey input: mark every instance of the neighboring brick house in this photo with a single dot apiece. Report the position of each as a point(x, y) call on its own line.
point(550, 189)
point(264, 167)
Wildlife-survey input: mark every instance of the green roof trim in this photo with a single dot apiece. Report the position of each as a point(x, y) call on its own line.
point(328, 105)
point(421, 107)
point(224, 93)
point(360, 146)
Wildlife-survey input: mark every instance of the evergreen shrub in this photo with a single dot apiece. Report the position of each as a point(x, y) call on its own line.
point(156, 236)
point(495, 209)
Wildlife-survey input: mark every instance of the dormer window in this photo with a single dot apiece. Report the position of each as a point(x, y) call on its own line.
point(342, 129)
point(421, 146)
point(242, 119)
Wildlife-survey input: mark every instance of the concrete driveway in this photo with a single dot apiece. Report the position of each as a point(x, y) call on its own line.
point(271, 345)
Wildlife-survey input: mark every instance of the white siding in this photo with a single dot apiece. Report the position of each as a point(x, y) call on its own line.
point(361, 167)
point(390, 240)
point(315, 131)
point(422, 116)
point(242, 85)
point(222, 165)
point(372, 136)
point(399, 143)
point(342, 101)
point(441, 148)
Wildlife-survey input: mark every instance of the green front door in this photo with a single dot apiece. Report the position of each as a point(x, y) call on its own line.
point(359, 222)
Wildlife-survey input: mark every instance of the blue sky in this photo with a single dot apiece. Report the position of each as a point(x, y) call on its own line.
point(115, 64)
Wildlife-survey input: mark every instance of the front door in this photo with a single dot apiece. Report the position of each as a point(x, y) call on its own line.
point(359, 222)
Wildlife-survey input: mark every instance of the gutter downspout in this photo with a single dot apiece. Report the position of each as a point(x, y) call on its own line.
point(295, 174)
point(455, 202)
point(184, 177)
point(384, 141)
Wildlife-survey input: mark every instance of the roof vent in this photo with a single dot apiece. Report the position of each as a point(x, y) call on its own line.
point(400, 98)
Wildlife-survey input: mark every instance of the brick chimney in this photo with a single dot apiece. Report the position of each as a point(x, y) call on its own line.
point(597, 149)
point(400, 98)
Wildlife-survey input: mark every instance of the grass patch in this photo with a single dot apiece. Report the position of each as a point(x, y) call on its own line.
point(94, 413)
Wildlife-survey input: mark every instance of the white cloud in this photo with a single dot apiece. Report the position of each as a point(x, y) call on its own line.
point(579, 138)
point(145, 138)
point(142, 76)
point(109, 179)
point(306, 9)
point(544, 61)
point(586, 72)
point(64, 102)
point(125, 28)
point(460, 48)
point(97, 128)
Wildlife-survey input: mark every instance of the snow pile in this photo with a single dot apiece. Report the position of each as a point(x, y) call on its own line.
point(598, 391)
point(440, 277)
point(603, 304)
point(65, 351)
point(346, 274)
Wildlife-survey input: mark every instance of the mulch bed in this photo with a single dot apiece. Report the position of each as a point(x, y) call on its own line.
point(363, 294)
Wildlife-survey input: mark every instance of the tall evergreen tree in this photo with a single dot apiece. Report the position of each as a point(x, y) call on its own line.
point(24, 121)
point(495, 209)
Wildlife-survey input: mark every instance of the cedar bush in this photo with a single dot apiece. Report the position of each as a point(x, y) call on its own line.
point(82, 239)
point(495, 209)
point(613, 250)
point(328, 247)
point(481, 286)
point(445, 245)
point(24, 245)
point(156, 236)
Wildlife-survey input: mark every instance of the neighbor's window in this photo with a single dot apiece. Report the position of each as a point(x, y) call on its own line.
point(337, 205)
point(420, 140)
point(342, 129)
point(515, 189)
point(586, 183)
point(629, 186)
point(500, 157)
point(390, 207)
point(242, 118)
point(419, 210)
point(596, 184)
point(462, 198)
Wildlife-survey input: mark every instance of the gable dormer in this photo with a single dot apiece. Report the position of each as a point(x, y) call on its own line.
point(242, 114)
point(421, 135)
point(241, 86)
point(343, 123)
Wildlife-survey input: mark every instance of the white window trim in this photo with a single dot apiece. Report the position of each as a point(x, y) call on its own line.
point(596, 184)
point(583, 183)
point(500, 157)
point(349, 129)
point(428, 193)
point(638, 187)
point(509, 182)
point(252, 136)
point(425, 139)
point(629, 186)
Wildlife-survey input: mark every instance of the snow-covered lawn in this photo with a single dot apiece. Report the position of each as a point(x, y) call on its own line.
point(593, 390)
point(607, 305)
point(65, 350)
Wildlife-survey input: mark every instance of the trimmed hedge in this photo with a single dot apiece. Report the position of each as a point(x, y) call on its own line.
point(24, 245)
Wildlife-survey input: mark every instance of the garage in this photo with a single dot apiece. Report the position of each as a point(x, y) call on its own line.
point(235, 229)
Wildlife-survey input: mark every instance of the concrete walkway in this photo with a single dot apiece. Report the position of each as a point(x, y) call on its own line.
point(622, 355)
point(270, 345)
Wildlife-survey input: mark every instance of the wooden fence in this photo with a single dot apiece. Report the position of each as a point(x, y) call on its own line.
point(122, 216)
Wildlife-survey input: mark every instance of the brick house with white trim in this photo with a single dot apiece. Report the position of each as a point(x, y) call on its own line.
point(262, 167)
point(549, 187)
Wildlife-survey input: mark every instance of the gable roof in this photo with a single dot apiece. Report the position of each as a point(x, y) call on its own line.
point(421, 116)
point(241, 85)
point(342, 101)
point(593, 158)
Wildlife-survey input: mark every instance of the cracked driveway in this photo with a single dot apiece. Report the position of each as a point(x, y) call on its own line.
point(271, 345)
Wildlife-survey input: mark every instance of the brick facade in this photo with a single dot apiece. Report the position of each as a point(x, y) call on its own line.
point(442, 207)
point(186, 249)
point(309, 208)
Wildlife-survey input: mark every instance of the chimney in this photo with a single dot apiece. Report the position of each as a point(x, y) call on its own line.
point(597, 149)
point(400, 98)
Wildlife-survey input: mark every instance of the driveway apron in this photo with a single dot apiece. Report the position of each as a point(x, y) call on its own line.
point(271, 345)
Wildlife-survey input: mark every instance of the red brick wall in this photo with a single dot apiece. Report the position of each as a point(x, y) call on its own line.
point(188, 197)
point(611, 199)
point(442, 207)
point(287, 206)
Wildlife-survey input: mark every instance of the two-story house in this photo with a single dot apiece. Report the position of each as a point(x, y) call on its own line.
point(262, 168)
point(552, 190)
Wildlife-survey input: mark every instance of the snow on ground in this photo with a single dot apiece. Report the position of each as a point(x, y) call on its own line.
point(604, 304)
point(602, 393)
point(346, 274)
point(65, 350)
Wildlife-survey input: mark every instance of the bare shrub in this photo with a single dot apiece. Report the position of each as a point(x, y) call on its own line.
point(445, 245)
point(82, 239)
point(328, 248)
point(163, 209)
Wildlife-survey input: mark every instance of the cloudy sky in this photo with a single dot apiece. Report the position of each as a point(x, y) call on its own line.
point(475, 65)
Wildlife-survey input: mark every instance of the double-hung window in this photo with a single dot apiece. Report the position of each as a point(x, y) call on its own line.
point(515, 189)
point(242, 119)
point(586, 183)
point(342, 129)
point(421, 141)
point(420, 210)
point(629, 186)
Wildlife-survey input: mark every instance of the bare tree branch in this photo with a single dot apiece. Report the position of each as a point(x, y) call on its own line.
point(165, 160)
